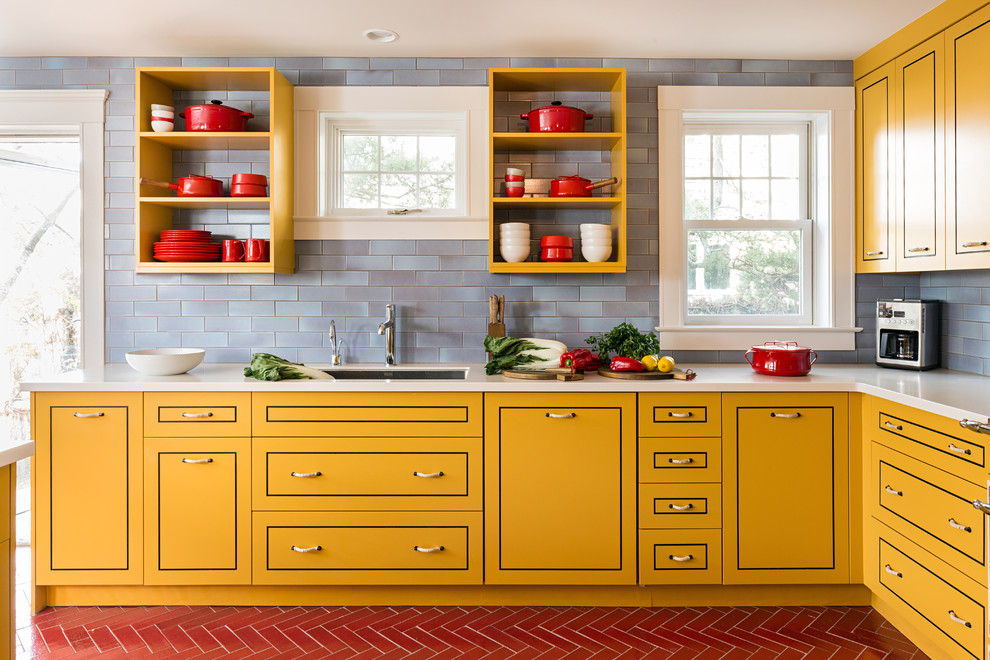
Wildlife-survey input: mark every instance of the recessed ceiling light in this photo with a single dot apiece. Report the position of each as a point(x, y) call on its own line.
point(381, 35)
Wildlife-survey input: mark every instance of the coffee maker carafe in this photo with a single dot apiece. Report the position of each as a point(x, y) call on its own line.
point(907, 333)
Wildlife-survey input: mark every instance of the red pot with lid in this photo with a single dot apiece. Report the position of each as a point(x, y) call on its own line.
point(781, 358)
point(193, 185)
point(556, 118)
point(215, 116)
point(576, 186)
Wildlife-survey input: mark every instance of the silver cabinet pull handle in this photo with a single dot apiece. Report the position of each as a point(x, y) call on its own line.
point(197, 415)
point(974, 244)
point(681, 415)
point(305, 475)
point(197, 461)
point(680, 461)
point(955, 525)
point(785, 415)
point(684, 558)
point(919, 249)
point(893, 492)
point(952, 615)
point(564, 416)
point(439, 548)
point(891, 425)
point(981, 506)
point(428, 475)
point(892, 571)
point(959, 450)
point(97, 414)
point(681, 507)
point(874, 253)
point(974, 425)
point(315, 548)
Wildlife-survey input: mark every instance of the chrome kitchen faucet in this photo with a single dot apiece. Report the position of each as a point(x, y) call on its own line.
point(334, 346)
point(388, 329)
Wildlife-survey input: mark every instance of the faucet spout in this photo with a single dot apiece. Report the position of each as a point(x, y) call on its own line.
point(388, 329)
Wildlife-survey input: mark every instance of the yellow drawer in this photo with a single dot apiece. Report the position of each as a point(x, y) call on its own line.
point(679, 556)
point(664, 460)
point(931, 508)
point(938, 607)
point(933, 439)
point(377, 414)
point(357, 473)
point(678, 506)
point(304, 548)
point(197, 414)
point(680, 415)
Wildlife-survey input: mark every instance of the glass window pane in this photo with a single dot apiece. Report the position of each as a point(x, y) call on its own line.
point(399, 191)
point(751, 272)
point(756, 199)
point(697, 200)
point(785, 152)
point(359, 191)
point(436, 191)
point(755, 155)
point(725, 199)
point(437, 153)
point(697, 155)
point(398, 153)
point(360, 153)
point(786, 200)
point(725, 155)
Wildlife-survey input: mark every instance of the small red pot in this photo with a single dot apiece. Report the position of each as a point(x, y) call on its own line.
point(781, 358)
point(556, 254)
point(215, 117)
point(247, 190)
point(193, 185)
point(576, 186)
point(252, 179)
point(556, 242)
point(556, 118)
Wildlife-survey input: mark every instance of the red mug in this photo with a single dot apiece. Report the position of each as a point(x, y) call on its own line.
point(233, 250)
point(256, 249)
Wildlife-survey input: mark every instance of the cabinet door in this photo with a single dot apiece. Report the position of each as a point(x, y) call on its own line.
point(197, 511)
point(786, 482)
point(88, 517)
point(967, 142)
point(920, 157)
point(875, 227)
point(560, 489)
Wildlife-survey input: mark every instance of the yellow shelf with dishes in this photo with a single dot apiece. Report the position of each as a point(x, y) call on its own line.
point(511, 145)
point(157, 208)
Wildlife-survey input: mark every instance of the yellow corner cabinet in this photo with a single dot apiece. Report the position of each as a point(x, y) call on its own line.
point(519, 147)
point(156, 207)
point(875, 226)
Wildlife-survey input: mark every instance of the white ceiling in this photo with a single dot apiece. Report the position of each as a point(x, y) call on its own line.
point(761, 29)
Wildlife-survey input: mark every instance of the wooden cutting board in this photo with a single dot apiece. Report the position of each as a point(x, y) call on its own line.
point(545, 374)
point(635, 375)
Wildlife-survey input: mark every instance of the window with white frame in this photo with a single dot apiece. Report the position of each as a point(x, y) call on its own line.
point(756, 217)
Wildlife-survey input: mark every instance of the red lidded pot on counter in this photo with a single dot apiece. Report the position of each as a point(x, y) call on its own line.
point(781, 358)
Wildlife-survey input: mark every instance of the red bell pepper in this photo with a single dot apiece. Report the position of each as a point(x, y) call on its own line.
point(626, 364)
point(580, 359)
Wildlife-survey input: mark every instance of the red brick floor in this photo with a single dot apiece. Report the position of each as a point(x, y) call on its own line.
point(446, 633)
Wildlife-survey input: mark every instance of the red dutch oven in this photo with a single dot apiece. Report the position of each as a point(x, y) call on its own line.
point(556, 118)
point(215, 117)
point(576, 186)
point(249, 185)
point(191, 186)
point(781, 358)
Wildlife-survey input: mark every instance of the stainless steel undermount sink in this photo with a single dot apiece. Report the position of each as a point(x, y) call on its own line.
point(397, 373)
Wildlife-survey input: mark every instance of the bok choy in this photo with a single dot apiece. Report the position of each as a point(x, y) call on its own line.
point(265, 366)
point(525, 353)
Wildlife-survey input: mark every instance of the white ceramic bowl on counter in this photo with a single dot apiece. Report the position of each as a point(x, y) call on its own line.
point(165, 361)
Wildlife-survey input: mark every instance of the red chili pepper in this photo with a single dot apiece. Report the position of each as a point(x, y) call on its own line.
point(626, 364)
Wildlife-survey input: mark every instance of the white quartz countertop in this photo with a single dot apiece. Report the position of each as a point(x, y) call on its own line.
point(949, 393)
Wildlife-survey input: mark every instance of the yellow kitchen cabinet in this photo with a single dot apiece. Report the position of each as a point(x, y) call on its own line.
point(197, 414)
point(785, 488)
point(560, 488)
point(919, 156)
point(7, 545)
point(680, 556)
point(88, 488)
point(876, 233)
point(197, 511)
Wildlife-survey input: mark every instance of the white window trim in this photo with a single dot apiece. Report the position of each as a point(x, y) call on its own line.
point(834, 314)
point(82, 112)
point(310, 101)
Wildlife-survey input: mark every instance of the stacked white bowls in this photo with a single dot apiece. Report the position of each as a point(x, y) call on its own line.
point(596, 242)
point(514, 241)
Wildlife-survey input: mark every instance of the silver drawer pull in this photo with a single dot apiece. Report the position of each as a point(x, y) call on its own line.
point(564, 416)
point(197, 415)
point(305, 475)
point(315, 548)
point(428, 475)
point(682, 415)
point(874, 253)
point(680, 461)
point(439, 548)
point(974, 244)
point(87, 414)
point(893, 492)
point(197, 461)
point(887, 568)
point(891, 425)
point(974, 425)
point(959, 450)
point(786, 415)
point(955, 525)
point(952, 615)
point(684, 558)
point(919, 249)
point(981, 506)
point(680, 507)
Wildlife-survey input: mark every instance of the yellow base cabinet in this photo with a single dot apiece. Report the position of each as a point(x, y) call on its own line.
point(680, 556)
point(560, 489)
point(786, 488)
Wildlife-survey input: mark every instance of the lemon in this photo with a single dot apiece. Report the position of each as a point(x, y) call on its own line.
point(650, 362)
point(665, 364)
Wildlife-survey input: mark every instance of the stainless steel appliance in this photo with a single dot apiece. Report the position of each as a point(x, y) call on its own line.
point(907, 333)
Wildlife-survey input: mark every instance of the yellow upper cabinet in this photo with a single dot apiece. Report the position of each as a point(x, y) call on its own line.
point(875, 227)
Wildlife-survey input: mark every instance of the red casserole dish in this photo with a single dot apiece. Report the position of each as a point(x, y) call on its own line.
point(247, 190)
point(556, 118)
point(193, 185)
point(252, 179)
point(215, 117)
point(781, 358)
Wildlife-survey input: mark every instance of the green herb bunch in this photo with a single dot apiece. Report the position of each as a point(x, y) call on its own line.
point(624, 340)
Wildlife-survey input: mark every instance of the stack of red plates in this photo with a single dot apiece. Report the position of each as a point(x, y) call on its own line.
point(186, 245)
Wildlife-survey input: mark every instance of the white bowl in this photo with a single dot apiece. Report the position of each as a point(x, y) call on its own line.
point(518, 235)
point(515, 242)
point(161, 106)
point(595, 253)
point(164, 114)
point(514, 253)
point(596, 242)
point(514, 171)
point(595, 226)
point(514, 225)
point(160, 126)
point(589, 232)
point(165, 361)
